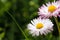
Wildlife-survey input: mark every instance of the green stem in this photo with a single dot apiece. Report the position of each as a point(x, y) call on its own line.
point(56, 20)
point(18, 25)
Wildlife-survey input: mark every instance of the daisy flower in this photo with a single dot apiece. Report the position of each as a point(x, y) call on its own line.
point(50, 9)
point(40, 27)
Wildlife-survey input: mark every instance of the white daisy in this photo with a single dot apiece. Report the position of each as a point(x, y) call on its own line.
point(50, 9)
point(40, 26)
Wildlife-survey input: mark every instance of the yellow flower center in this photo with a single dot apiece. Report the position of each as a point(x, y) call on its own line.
point(39, 25)
point(51, 8)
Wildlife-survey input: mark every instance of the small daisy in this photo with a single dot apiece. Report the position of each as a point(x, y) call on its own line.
point(40, 26)
point(50, 9)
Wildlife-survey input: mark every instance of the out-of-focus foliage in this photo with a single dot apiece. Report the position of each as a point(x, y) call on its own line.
point(23, 11)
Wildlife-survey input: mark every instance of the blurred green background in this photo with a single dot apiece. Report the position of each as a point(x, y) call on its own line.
point(23, 11)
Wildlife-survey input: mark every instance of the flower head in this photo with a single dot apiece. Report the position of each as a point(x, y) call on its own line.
point(50, 9)
point(40, 26)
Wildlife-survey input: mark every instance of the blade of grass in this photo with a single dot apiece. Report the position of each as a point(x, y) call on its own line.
point(56, 20)
point(18, 25)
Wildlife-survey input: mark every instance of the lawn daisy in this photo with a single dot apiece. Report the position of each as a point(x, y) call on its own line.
point(50, 9)
point(40, 26)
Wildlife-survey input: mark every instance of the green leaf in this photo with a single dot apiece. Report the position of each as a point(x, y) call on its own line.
point(2, 34)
